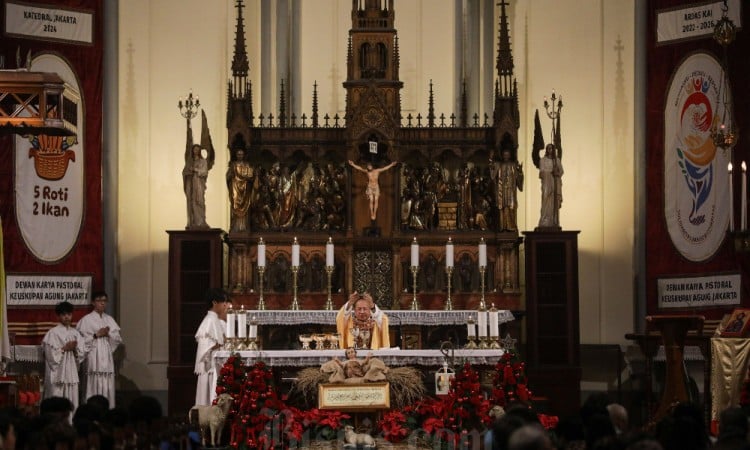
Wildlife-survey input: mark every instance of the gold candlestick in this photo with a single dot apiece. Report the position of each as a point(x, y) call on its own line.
point(329, 300)
point(483, 343)
point(482, 304)
point(295, 302)
point(414, 301)
point(261, 302)
point(448, 301)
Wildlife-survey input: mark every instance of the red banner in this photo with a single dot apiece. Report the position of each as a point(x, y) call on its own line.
point(664, 60)
point(60, 29)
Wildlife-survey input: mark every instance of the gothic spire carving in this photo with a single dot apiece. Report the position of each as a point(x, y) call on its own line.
point(240, 63)
point(504, 55)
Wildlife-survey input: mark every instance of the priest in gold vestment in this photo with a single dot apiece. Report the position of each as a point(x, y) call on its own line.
point(361, 324)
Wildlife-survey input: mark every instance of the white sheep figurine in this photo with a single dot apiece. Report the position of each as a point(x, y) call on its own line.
point(357, 439)
point(211, 418)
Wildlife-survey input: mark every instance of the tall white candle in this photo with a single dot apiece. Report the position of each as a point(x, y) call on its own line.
point(230, 324)
point(242, 323)
point(253, 329)
point(494, 323)
point(261, 253)
point(295, 253)
point(471, 329)
point(482, 323)
point(414, 253)
point(731, 198)
point(329, 252)
point(449, 253)
point(743, 202)
point(482, 253)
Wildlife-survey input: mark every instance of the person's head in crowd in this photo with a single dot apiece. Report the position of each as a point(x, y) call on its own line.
point(7, 430)
point(597, 427)
point(144, 409)
point(530, 437)
point(733, 429)
point(64, 311)
point(645, 444)
point(684, 429)
point(100, 403)
point(570, 429)
point(56, 406)
point(619, 417)
point(595, 403)
point(503, 428)
point(522, 410)
point(59, 435)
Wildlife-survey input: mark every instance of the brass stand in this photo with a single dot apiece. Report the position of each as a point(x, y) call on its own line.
point(482, 304)
point(261, 302)
point(414, 301)
point(448, 301)
point(483, 343)
point(329, 301)
point(252, 344)
point(295, 302)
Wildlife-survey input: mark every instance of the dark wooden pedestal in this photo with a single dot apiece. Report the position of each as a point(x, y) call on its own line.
point(195, 264)
point(552, 332)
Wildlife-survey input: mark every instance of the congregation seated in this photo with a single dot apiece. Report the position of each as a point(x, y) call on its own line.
point(361, 324)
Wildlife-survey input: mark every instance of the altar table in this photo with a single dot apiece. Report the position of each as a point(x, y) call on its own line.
point(396, 317)
point(391, 357)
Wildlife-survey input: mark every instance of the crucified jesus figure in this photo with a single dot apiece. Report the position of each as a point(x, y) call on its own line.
point(373, 188)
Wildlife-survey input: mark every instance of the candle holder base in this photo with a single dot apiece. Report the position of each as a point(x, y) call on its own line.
point(483, 343)
point(471, 345)
point(495, 343)
point(252, 344)
point(242, 345)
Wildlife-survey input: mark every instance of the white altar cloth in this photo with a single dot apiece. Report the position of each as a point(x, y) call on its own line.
point(391, 357)
point(396, 317)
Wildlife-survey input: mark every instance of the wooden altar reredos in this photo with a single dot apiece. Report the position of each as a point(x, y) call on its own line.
point(420, 197)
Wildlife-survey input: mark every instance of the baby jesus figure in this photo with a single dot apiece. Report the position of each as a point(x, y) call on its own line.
point(353, 370)
point(352, 367)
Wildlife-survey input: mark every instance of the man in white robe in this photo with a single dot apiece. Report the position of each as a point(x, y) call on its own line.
point(63, 352)
point(210, 337)
point(102, 337)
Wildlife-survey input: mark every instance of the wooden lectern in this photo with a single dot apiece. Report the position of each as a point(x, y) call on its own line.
point(674, 330)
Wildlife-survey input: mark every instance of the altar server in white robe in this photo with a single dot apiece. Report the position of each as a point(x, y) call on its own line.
point(102, 335)
point(210, 337)
point(63, 352)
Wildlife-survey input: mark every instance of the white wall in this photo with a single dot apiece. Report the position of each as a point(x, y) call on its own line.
point(168, 47)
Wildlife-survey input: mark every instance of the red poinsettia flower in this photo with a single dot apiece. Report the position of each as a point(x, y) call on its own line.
point(432, 424)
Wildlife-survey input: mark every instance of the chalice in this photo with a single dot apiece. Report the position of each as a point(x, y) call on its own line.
point(365, 333)
point(305, 339)
point(333, 341)
point(355, 334)
point(320, 341)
